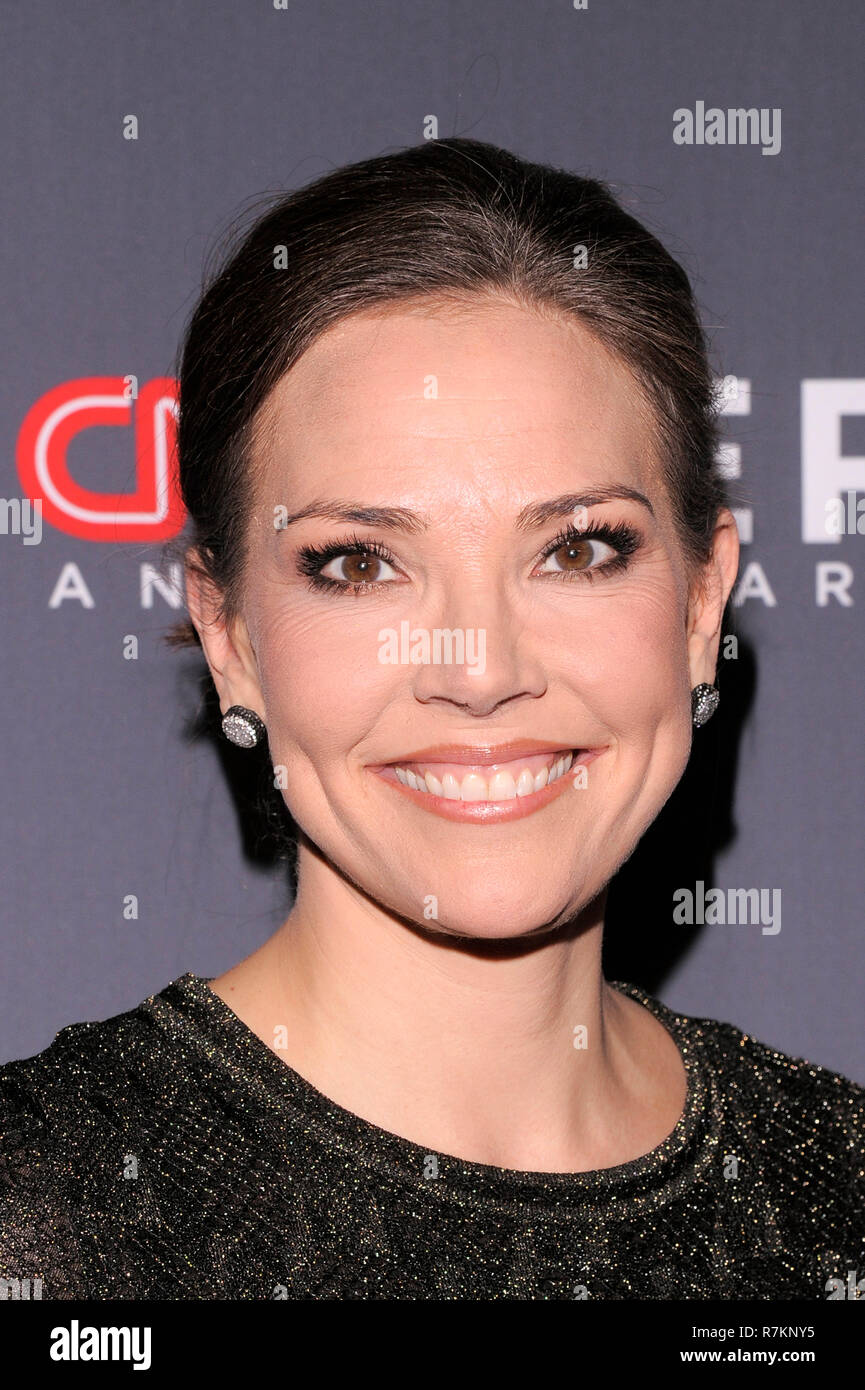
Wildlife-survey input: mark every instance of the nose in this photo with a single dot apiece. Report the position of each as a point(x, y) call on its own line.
point(480, 659)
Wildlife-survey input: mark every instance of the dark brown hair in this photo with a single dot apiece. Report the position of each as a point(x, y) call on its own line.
point(445, 219)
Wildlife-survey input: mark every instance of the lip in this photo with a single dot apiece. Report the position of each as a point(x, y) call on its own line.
point(482, 754)
point(486, 812)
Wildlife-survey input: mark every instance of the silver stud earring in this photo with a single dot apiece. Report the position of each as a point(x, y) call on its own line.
point(704, 702)
point(242, 726)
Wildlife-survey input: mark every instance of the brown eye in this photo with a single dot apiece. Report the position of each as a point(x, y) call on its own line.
point(578, 555)
point(357, 567)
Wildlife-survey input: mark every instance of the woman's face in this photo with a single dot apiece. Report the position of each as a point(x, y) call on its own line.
point(478, 436)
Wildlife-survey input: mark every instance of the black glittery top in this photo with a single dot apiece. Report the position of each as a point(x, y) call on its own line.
point(168, 1153)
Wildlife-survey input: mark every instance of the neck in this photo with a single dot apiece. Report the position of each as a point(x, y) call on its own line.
point(516, 1054)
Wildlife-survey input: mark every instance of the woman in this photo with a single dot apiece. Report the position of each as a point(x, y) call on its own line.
point(462, 559)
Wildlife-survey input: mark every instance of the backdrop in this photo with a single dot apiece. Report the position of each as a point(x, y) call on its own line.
point(132, 134)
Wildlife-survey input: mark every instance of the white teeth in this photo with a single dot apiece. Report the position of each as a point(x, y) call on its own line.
point(525, 783)
point(502, 785)
point(473, 788)
point(450, 787)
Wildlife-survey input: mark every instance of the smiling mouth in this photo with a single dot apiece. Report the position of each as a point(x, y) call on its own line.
point(507, 788)
point(475, 782)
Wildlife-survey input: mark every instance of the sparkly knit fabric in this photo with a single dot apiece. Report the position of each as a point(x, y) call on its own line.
point(168, 1153)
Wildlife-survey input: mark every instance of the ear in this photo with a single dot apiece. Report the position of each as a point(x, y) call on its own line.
point(709, 598)
point(226, 645)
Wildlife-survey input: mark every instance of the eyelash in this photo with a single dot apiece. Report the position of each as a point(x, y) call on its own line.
point(312, 559)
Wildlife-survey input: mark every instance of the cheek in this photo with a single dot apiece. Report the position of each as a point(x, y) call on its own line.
point(321, 678)
point(630, 671)
point(623, 653)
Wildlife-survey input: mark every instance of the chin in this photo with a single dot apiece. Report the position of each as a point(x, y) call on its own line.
point(474, 916)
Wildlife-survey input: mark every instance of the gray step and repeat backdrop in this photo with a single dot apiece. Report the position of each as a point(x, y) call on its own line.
point(133, 132)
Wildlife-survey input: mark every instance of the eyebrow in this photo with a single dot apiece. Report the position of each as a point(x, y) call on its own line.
point(402, 519)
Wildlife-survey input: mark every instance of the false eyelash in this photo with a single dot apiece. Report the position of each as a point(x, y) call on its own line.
point(311, 559)
point(620, 535)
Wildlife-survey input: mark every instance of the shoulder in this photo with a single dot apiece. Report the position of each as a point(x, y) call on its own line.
point(83, 1065)
point(778, 1151)
point(64, 1141)
point(791, 1089)
point(795, 1129)
point(786, 1086)
point(787, 1120)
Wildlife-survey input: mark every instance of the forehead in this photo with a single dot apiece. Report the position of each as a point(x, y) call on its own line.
point(475, 387)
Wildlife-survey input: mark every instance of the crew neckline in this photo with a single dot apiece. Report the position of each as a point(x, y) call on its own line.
point(190, 1007)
